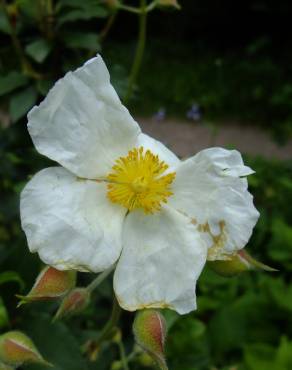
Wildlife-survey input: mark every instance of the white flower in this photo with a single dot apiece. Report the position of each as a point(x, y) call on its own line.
point(121, 196)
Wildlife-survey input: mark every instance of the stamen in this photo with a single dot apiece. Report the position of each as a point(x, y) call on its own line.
point(137, 181)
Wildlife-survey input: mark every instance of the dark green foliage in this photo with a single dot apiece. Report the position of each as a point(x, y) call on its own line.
point(40, 40)
point(242, 321)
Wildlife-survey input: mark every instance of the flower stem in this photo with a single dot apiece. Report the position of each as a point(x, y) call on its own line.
point(111, 324)
point(123, 356)
point(135, 10)
point(130, 9)
point(49, 19)
point(134, 354)
point(139, 50)
point(100, 278)
point(111, 20)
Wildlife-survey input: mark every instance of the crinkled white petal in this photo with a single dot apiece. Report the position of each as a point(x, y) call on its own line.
point(208, 187)
point(156, 147)
point(70, 222)
point(228, 162)
point(82, 123)
point(162, 258)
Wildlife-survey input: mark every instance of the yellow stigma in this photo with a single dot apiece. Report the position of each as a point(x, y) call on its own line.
point(137, 181)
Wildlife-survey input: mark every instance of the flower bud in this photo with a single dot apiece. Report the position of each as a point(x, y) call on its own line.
point(50, 284)
point(91, 349)
point(17, 349)
point(172, 3)
point(238, 263)
point(150, 332)
point(13, 13)
point(117, 365)
point(112, 4)
point(73, 303)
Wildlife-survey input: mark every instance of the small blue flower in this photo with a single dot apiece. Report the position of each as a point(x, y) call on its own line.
point(194, 113)
point(160, 115)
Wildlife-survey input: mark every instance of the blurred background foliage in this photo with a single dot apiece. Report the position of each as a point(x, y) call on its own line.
point(234, 60)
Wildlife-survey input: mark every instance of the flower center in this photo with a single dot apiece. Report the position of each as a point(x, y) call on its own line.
point(137, 181)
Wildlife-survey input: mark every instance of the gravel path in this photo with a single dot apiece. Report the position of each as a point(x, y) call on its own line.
point(186, 138)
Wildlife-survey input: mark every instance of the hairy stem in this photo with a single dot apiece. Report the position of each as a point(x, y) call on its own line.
point(50, 19)
point(137, 351)
point(130, 9)
point(123, 356)
point(100, 278)
point(111, 324)
point(110, 21)
point(139, 50)
point(135, 10)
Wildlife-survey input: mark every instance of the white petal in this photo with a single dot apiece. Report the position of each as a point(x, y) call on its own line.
point(162, 258)
point(70, 222)
point(225, 161)
point(82, 124)
point(156, 147)
point(208, 188)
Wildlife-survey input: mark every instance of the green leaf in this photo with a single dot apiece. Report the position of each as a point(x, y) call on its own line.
point(284, 355)
point(186, 345)
point(259, 356)
point(170, 317)
point(194, 328)
point(280, 292)
point(4, 24)
point(21, 103)
point(43, 86)
point(9, 276)
point(39, 50)
point(85, 4)
point(281, 242)
point(231, 326)
point(81, 40)
point(4, 319)
point(81, 14)
point(26, 8)
point(56, 343)
point(81, 10)
point(12, 81)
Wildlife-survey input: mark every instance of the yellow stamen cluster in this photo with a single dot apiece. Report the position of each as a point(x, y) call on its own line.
point(137, 181)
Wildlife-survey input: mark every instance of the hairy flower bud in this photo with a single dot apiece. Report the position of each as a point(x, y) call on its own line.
point(172, 3)
point(17, 349)
point(150, 332)
point(50, 284)
point(238, 263)
point(73, 303)
point(112, 4)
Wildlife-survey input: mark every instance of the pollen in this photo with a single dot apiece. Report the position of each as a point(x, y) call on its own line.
point(139, 180)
